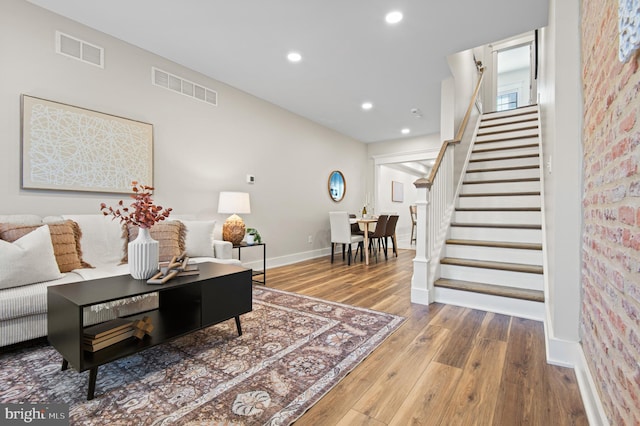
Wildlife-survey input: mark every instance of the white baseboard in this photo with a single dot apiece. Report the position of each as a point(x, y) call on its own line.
point(570, 354)
point(274, 262)
point(590, 398)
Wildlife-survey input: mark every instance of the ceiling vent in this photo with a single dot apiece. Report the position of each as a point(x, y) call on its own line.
point(79, 49)
point(180, 85)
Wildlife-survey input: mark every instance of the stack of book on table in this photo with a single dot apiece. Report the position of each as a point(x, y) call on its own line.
point(105, 334)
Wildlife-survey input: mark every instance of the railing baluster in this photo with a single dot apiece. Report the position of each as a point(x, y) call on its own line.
point(435, 198)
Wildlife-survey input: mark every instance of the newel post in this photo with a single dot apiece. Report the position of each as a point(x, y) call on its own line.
point(420, 292)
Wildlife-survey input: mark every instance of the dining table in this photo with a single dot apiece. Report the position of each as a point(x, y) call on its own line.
point(364, 225)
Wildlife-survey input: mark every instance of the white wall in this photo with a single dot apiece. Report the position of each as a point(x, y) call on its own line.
point(199, 150)
point(384, 204)
point(465, 75)
point(561, 113)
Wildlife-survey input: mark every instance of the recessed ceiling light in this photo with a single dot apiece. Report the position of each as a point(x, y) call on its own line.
point(367, 106)
point(405, 131)
point(294, 57)
point(393, 17)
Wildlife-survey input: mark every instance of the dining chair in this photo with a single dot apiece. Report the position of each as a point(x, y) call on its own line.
point(355, 228)
point(413, 211)
point(378, 234)
point(341, 234)
point(391, 232)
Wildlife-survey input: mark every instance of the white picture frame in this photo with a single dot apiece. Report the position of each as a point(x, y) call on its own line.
point(397, 192)
point(629, 28)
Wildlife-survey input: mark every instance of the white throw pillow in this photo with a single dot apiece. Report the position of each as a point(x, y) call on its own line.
point(28, 260)
point(104, 240)
point(199, 240)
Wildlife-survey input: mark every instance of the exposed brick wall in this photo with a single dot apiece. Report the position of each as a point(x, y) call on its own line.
point(610, 324)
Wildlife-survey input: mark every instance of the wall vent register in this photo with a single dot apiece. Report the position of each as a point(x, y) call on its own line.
point(180, 85)
point(79, 49)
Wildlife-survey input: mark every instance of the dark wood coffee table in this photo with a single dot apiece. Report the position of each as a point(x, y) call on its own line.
point(186, 304)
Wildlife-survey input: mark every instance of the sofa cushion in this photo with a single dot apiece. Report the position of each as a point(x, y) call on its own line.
point(30, 299)
point(170, 235)
point(103, 241)
point(65, 237)
point(199, 239)
point(28, 260)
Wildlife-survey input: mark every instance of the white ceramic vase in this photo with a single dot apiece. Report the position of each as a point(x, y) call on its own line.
point(143, 254)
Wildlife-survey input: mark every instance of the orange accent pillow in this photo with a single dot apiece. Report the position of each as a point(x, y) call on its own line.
point(65, 237)
point(171, 235)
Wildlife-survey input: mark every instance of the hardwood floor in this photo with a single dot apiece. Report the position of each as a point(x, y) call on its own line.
point(445, 365)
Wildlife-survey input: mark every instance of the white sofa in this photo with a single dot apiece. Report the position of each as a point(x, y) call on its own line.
point(103, 241)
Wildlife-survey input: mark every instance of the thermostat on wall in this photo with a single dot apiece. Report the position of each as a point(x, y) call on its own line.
point(251, 179)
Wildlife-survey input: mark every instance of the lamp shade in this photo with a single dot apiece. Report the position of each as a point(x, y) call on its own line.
point(234, 202)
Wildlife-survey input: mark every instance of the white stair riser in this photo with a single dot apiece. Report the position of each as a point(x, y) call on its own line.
point(490, 303)
point(503, 146)
point(522, 218)
point(496, 254)
point(505, 201)
point(520, 111)
point(506, 121)
point(496, 234)
point(507, 127)
point(493, 276)
point(512, 162)
point(500, 187)
point(492, 154)
point(513, 134)
point(502, 174)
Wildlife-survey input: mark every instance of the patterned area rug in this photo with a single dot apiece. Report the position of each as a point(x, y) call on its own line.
point(293, 350)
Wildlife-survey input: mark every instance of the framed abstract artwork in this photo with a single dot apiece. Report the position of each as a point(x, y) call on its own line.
point(69, 148)
point(397, 192)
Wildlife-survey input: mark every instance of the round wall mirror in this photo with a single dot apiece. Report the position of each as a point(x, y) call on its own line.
point(337, 186)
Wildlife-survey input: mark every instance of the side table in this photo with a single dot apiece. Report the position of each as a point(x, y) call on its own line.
point(255, 273)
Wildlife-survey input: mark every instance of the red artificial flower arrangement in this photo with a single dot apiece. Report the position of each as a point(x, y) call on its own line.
point(142, 212)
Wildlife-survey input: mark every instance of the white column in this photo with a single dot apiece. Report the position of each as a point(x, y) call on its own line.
point(420, 292)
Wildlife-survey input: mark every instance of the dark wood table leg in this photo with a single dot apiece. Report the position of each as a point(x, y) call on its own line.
point(65, 364)
point(238, 326)
point(93, 375)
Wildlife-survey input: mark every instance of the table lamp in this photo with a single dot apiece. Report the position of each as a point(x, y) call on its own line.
point(233, 229)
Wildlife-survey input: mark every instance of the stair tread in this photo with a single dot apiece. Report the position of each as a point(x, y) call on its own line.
point(504, 169)
point(485, 264)
point(474, 182)
point(512, 138)
point(516, 112)
point(496, 225)
point(526, 120)
point(498, 244)
point(498, 209)
point(496, 132)
point(490, 289)
point(502, 148)
point(501, 194)
point(510, 157)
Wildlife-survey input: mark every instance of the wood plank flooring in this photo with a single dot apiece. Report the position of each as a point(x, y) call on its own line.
point(446, 365)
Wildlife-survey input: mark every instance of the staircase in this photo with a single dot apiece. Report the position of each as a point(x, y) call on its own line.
point(493, 258)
